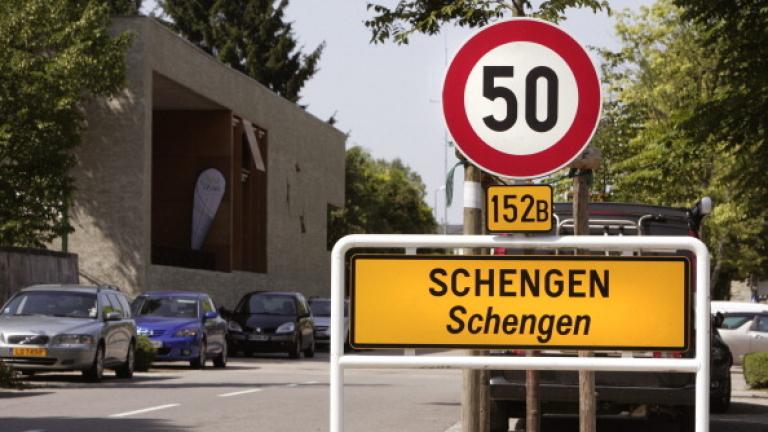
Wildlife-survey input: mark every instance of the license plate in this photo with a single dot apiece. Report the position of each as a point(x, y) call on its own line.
point(29, 352)
point(157, 344)
point(258, 337)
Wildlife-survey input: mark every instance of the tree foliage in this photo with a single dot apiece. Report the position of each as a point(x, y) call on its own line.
point(735, 33)
point(381, 198)
point(124, 7)
point(428, 16)
point(657, 85)
point(250, 36)
point(56, 53)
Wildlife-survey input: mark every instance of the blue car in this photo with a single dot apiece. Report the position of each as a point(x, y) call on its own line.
point(182, 326)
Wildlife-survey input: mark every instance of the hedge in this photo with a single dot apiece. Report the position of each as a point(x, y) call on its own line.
point(756, 369)
point(145, 354)
point(8, 377)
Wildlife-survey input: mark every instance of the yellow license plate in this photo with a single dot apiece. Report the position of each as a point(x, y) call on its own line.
point(29, 352)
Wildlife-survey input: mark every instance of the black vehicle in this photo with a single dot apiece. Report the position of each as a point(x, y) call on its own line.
point(272, 322)
point(667, 393)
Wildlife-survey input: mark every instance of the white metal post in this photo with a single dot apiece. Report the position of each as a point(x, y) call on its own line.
point(337, 336)
point(699, 364)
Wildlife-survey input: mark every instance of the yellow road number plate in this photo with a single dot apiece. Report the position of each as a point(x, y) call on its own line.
point(521, 208)
point(29, 352)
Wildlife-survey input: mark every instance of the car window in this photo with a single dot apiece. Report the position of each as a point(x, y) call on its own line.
point(320, 308)
point(303, 307)
point(268, 304)
point(124, 305)
point(762, 323)
point(116, 306)
point(53, 303)
point(168, 307)
point(735, 320)
point(136, 305)
point(208, 305)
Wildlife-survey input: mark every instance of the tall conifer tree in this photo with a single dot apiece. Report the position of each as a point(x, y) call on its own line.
point(250, 36)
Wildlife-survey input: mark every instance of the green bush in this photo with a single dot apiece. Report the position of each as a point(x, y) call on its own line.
point(8, 377)
point(145, 354)
point(756, 369)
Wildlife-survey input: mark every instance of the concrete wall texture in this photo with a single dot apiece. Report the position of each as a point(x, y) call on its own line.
point(112, 213)
point(21, 268)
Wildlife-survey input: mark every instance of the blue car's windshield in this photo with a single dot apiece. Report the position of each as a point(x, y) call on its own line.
point(168, 307)
point(53, 303)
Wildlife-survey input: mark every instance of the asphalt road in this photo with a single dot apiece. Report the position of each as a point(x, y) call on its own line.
point(265, 393)
point(274, 393)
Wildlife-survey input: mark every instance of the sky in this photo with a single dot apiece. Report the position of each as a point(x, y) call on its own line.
point(386, 97)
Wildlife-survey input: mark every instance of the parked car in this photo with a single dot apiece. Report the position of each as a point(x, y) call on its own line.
point(272, 321)
point(652, 392)
point(744, 328)
point(321, 312)
point(182, 326)
point(68, 327)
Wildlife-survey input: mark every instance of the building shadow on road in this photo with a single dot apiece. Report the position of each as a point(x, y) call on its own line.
point(741, 417)
point(42, 381)
point(69, 424)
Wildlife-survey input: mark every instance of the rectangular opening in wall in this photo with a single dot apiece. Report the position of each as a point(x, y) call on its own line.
point(250, 209)
point(192, 162)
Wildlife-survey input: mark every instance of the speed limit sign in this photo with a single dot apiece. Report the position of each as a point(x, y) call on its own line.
point(521, 98)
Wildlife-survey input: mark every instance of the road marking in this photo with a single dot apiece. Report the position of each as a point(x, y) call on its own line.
point(309, 383)
point(292, 385)
point(145, 410)
point(242, 392)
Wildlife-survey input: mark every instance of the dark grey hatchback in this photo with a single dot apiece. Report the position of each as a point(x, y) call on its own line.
point(272, 321)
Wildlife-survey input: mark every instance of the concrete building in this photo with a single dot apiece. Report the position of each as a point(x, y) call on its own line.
point(183, 112)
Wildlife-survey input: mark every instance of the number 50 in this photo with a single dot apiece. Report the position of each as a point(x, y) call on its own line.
point(492, 92)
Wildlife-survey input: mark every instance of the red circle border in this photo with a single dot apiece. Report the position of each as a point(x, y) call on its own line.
point(587, 112)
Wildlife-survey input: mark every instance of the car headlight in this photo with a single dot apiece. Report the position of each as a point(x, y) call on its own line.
point(73, 339)
point(187, 332)
point(234, 327)
point(288, 327)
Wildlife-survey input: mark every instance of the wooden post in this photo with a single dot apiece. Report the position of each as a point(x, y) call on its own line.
point(475, 393)
point(587, 407)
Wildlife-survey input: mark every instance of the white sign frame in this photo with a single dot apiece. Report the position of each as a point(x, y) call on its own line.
point(699, 365)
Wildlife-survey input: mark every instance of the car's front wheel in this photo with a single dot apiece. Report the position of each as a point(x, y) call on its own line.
point(125, 370)
point(499, 417)
point(310, 351)
point(295, 348)
point(220, 361)
point(199, 362)
point(721, 401)
point(95, 373)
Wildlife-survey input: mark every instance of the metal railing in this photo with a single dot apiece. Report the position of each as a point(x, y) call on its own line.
point(698, 365)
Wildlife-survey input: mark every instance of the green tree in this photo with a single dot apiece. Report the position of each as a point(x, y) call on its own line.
point(427, 16)
point(250, 36)
point(124, 7)
point(656, 83)
point(381, 198)
point(57, 52)
point(736, 35)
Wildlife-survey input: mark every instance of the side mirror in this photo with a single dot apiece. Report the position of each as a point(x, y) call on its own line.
point(113, 316)
point(718, 319)
point(210, 315)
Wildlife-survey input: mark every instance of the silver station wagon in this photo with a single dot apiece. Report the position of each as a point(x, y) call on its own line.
point(68, 327)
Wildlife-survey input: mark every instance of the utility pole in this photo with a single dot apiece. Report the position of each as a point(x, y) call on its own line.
point(475, 392)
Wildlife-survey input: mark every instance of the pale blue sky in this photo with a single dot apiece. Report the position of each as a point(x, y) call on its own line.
point(386, 97)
